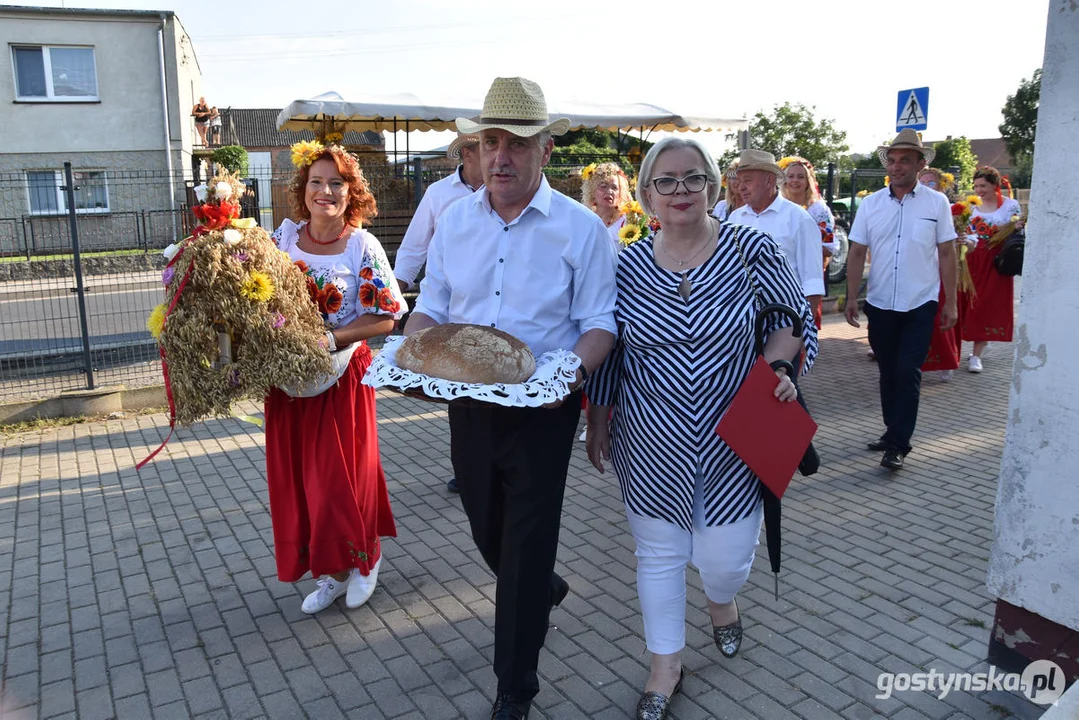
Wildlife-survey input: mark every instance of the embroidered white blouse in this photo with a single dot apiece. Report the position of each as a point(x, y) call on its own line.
point(354, 282)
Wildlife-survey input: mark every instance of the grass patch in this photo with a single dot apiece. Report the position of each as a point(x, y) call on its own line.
point(38, 424)
point(974, 622)
point(69, 256)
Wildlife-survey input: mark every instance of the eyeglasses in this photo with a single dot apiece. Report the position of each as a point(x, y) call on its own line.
point(669, 185)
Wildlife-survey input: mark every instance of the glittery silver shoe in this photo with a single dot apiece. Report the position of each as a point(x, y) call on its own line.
point(729, 637)
point(654, 705)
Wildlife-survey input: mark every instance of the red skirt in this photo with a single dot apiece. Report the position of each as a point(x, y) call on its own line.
point(990, 313)
point(945, 345)
point(328, 498)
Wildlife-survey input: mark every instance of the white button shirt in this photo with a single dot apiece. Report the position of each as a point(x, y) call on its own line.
point(797, 235)
point(412, 253)
point(902, 237)
point(546, 278)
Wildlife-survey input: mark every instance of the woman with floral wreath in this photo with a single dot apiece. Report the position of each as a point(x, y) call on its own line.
point(605, 191)
point(328, 497)
point(990, 309)
point(800, 187)
point(732, 198)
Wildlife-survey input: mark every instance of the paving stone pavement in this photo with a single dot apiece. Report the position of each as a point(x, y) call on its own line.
point(153, 594)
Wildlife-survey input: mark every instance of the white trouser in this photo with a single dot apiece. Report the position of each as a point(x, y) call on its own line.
point(723, 555)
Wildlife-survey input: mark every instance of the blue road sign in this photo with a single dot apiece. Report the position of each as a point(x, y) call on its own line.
point(912, 109)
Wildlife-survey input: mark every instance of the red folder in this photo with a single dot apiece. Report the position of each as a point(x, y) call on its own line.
point(769, 435)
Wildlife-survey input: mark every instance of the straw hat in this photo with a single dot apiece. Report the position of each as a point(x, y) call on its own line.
point(517, 106)
point(461, 141)
point(907, 139)
point(759, 160)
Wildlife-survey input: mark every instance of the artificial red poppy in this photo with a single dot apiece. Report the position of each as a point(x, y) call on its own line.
point(368, 295)
point(216, 217)
point(958, 209)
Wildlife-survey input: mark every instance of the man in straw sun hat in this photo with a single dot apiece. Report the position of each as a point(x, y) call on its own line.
point(788, 223)
point(908, 229)
point(521, 257)
point(462, 182)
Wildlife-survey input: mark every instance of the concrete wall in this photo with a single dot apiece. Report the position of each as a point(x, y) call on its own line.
point(1035, 557)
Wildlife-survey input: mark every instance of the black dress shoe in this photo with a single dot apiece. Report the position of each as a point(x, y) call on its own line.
point(559, 591)
point(893, 460)
point(452, 485)
point(508, 707)
point(654, 705)
point(879, 445)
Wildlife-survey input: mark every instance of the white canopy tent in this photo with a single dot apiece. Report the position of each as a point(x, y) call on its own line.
point(406, 112)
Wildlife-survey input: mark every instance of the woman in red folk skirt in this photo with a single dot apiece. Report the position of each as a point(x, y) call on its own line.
point(944, 345)
point(328, 497)
point(990, 310)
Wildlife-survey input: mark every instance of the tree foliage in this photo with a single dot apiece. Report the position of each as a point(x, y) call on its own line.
point(794, 130)
point(231, 157)
point(956, 153)
point(1021, 118)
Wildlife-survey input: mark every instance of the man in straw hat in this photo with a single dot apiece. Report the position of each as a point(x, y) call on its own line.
point(465, 180)
point(789, 224)
point(521, 257)
point(908, 229)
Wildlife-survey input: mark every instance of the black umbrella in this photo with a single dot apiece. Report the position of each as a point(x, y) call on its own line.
point(773, 510)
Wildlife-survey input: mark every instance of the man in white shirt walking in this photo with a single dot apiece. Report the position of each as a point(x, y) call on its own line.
point(789, 224)
point(521, 257)
point(412, 254)
point(465, 180)
point(908, 229)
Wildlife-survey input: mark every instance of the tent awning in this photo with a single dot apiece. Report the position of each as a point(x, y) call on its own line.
point(393, 112)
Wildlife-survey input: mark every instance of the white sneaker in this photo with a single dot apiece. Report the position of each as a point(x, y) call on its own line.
point(360, 588)
point(974, 364)
point(870, 354)
point(946, 375)
point(583, 436)
point(327, 591)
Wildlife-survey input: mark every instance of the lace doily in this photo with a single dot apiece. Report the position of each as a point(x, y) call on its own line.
point(555, 371)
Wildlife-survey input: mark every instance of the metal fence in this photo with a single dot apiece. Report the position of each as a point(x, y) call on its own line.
point(81, 262)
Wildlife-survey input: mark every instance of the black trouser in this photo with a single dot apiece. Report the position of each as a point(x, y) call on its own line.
point(511, 466)
point(900, 340)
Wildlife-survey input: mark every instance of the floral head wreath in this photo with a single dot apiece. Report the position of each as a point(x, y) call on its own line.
point(794, 160)
point(306, 152)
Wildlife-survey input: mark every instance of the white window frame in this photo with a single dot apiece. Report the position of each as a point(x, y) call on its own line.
point(46, 56)
point(61, 195)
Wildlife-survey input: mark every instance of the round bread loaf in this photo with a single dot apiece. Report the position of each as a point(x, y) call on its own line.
point(467, 353)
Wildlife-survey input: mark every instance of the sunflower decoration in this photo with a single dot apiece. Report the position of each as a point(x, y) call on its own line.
point(237, 318)
point(638, 224)
point(305, 152)
point(586, 173)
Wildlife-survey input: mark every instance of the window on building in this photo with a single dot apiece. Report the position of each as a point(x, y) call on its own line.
point(53, 72)
point(47, 196)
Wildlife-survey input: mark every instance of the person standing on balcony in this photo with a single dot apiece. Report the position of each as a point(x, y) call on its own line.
point(462, 182)
point(201, 113)
point(908, 228)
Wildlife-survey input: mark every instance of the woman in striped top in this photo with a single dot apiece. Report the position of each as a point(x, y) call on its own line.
point(687, 300)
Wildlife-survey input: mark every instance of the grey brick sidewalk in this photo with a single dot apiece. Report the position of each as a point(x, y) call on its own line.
point(154, 594)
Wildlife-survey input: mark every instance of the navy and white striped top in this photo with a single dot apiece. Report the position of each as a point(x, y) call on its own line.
point(676, 367)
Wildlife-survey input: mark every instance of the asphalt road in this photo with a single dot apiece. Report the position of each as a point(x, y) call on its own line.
point(42, 318)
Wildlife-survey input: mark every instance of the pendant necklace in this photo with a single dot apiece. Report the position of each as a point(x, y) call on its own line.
point(685, 287)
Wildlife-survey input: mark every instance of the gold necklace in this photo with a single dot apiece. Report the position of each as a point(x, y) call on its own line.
point(685, 287)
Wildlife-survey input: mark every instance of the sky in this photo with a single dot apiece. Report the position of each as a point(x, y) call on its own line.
point(847, 59)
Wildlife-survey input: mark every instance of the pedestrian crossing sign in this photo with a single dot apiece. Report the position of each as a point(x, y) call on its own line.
point(912, 109)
